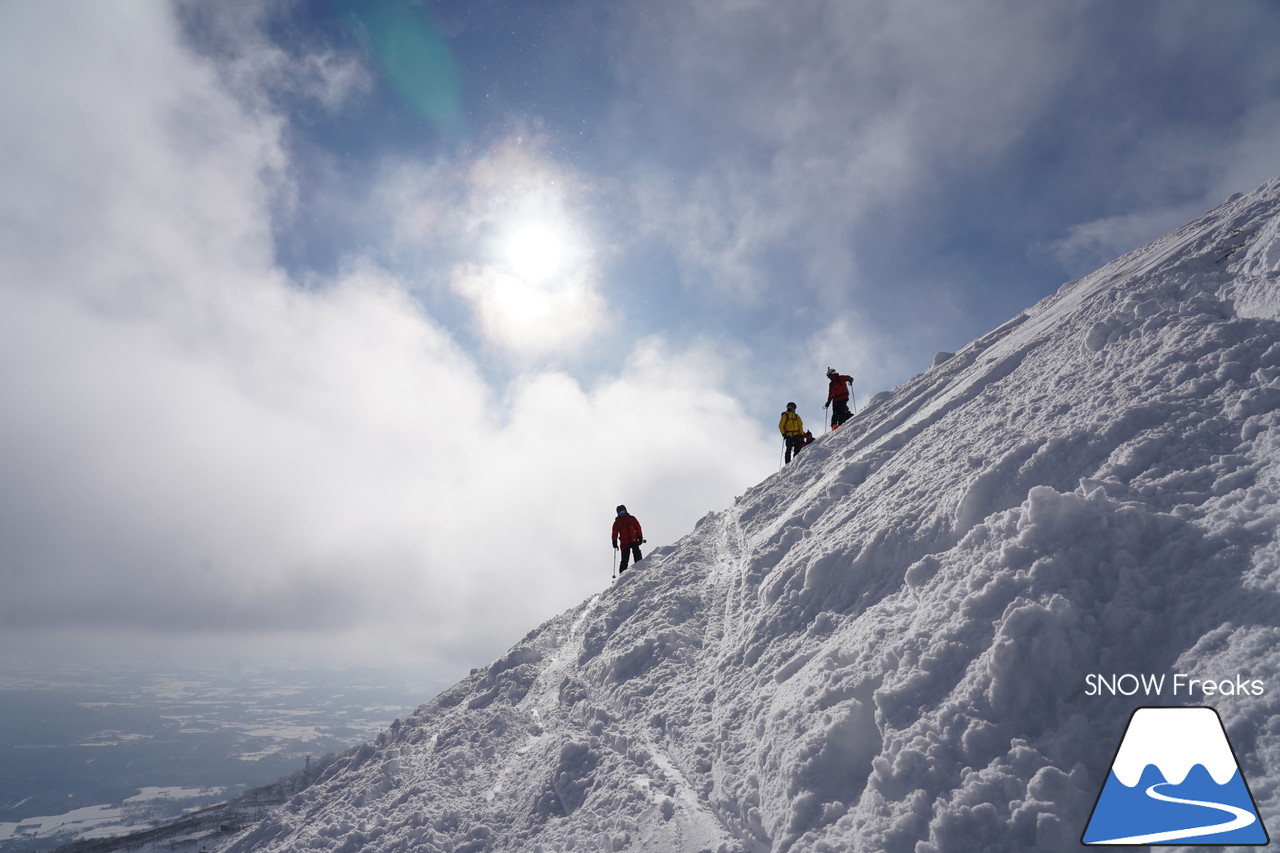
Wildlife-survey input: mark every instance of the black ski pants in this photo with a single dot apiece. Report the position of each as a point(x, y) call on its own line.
point(627, 552)
point(839, 412)
point(794, 445)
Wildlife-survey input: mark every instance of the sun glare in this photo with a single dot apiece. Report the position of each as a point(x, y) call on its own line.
point(537, 251)
point(534, 285)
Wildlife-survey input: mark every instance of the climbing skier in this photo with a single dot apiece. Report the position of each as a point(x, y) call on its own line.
point(626, 528)
point(792, 429)
point(838, 397)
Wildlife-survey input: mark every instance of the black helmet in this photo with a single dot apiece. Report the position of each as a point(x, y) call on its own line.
point(791, 405)
point(621, 509)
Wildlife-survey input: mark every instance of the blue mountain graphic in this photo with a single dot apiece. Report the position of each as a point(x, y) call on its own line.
point(1124, 812)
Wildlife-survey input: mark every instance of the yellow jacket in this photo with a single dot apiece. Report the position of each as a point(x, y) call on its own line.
point(790, 424)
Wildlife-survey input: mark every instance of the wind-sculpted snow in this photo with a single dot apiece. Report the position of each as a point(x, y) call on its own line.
point(884, 647)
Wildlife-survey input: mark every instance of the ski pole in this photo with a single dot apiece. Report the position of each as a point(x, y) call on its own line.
point(613, 565)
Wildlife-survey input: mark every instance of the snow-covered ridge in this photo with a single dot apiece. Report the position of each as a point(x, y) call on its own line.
point(884, 646)
point(1174, 740)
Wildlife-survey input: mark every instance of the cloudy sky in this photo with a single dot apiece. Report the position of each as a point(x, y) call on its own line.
point(334, 331)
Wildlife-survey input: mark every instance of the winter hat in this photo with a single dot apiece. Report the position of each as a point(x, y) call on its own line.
point(621, 509)
point(831, 371)
point(791, 405)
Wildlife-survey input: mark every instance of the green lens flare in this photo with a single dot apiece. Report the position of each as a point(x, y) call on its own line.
point(416, 59)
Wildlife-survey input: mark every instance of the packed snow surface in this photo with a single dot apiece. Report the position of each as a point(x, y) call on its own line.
point(885, 646)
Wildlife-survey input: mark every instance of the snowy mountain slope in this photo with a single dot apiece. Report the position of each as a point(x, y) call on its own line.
point(885, 646)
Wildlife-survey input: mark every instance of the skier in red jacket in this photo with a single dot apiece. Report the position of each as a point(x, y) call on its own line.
point(626, 528)
point(838, 397)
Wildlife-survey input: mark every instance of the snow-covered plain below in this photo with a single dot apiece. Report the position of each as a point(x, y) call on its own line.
point(105, 821)
point(110, 748)
point(888, 645)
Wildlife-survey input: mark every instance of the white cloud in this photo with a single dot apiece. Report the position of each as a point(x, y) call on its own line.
point(1091, 244)
point(802, 143)
point(339, 468)
point(195, 447)
point(1249, 159)
point(531, 317)
point(257, 69)
point(834, 113)
point(1252, 157)
point(723, 224)
point(129, 173)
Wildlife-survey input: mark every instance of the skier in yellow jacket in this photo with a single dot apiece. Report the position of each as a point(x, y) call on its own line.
point(792, 429)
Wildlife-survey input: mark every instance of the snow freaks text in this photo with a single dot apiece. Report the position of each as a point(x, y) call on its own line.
point(1177, 684)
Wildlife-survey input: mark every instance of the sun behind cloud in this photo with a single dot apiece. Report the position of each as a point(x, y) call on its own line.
point(532, 277)
point(531, 318)
point(538, 251)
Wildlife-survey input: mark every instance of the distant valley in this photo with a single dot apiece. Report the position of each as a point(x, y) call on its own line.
point(95, 752)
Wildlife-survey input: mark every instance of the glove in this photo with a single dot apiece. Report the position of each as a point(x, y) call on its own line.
point(615, 546)
point(826, 405)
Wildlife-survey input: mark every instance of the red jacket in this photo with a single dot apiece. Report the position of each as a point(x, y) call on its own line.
point(627, 528)
point(839, 389)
